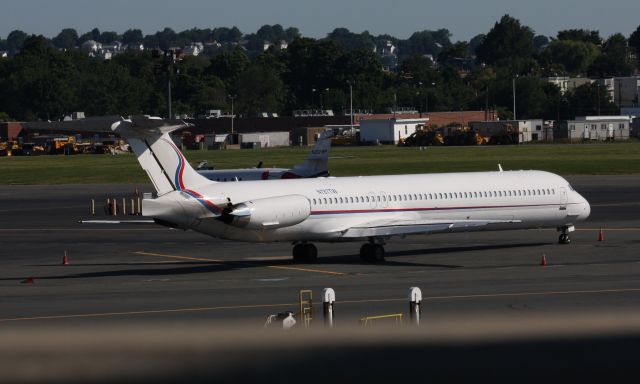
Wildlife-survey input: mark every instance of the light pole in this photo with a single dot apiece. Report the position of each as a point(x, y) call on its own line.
point(426, 102)
point(313, 90)
point(232, 97)
point(351, 102)
point(321, 105)
point(513, 83)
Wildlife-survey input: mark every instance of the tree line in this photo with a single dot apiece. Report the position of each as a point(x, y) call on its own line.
point(44, 79)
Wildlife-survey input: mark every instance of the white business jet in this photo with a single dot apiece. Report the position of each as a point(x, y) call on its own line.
point(369, 209)
point(315, 165)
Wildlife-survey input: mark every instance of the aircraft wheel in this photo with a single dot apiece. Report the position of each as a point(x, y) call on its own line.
point(304, 252)
point(298, 252)
point(311, 253)
point(372, 252)
point(564, 239)
point(377, 253)
point(365, 252)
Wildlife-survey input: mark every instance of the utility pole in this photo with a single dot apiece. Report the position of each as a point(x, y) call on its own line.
point(232, 97)
point(513, 81)
point(351, 102)
point(171, 59)
point(426, 105)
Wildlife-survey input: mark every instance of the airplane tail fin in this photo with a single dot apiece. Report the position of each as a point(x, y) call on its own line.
point(157, 154)
point(317, 163)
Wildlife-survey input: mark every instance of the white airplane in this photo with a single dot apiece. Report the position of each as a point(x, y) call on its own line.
point(369, 209)
point(315, 165)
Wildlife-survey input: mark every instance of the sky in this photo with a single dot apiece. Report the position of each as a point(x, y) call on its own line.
point(399, 18)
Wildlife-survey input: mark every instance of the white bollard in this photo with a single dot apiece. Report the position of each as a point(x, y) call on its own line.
point(415, 297)
point(328, 300)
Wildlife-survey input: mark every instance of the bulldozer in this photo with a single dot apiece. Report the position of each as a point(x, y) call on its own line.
point(464, 136)
point(424, 137)
point(508, 135)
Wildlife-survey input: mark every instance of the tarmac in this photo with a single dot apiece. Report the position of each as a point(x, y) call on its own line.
point(143, 275)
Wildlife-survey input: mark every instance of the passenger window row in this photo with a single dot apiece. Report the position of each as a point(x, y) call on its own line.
point(432, 196)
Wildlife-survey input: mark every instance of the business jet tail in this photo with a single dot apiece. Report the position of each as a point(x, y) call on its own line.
point(317, 163)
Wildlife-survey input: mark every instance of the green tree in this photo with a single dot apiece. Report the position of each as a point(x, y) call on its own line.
point(41, 83)
point(15, 40)
point(425, 42)
point(508, 44)
point(590, 99)
point(350, 41)
point(109, 37)
point(540, 42)
point(475, 42)
point(310, 65)
point(575, 56)
point(614, 60)
point(132, 36)
point(259, 89)
point(94, 35)
point(634, 43)
point(584, 35)
point(66, 39)
point(229, 64)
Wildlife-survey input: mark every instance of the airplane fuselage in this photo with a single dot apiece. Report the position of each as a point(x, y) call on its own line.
point(339, 206)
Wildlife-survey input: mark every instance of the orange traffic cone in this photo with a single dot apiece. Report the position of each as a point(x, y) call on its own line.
point(543, 262)
point(601, 235)
point(28, 280)
point(65, 260)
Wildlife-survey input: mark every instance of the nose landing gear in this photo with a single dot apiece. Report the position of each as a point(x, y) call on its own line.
point(564, 236)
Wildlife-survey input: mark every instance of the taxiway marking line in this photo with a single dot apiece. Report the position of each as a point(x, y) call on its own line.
point(203, 309)
point(149, 312)
point(486, 295)
point(307, 270)
point(103, 229)
point(239, 262)
point(141, 253)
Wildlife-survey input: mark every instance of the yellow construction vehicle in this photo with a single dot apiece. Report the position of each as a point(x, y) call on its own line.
point(423, 137)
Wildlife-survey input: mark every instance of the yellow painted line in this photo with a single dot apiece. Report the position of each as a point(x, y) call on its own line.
point(252, 306)
point(487, 295)
point(239, 262)
point(150, 312)
point(103, 229)
point(141, 253)
point(306, 270)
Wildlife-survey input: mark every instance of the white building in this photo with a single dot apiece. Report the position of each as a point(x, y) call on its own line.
point(389, 131)
point(566, 83)
point(597, 128)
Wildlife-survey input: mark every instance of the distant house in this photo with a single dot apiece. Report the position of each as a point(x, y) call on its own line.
point(194, 49)
point(282, 45)
point(4, 54)
point(134, 47)
point(90, 46)
point(566, 83)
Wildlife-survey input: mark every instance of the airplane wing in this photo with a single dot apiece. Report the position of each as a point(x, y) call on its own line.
point(404, 227)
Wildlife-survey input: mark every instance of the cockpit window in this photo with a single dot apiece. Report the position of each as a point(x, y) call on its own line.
point(570, 187)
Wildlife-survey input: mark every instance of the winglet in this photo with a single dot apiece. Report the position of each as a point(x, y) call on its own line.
point(499, 167)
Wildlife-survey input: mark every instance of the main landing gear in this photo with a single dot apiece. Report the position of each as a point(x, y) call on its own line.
point(372, 252)
point(305, 252)
point(564, 236)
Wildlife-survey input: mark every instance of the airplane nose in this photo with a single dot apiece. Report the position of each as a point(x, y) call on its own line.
point(586, 210)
